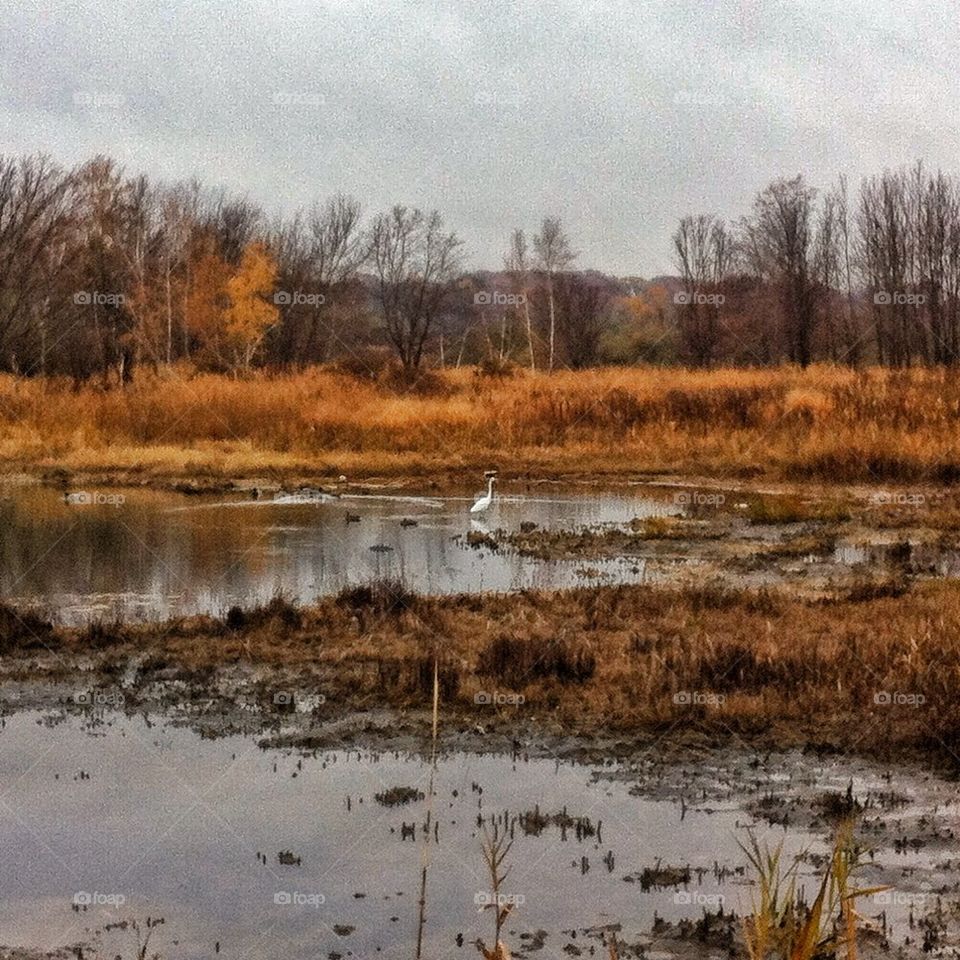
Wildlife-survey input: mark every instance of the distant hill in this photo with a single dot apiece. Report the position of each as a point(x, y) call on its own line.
point(614, 286)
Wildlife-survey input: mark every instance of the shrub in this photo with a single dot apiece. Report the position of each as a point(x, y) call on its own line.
point(23, 629)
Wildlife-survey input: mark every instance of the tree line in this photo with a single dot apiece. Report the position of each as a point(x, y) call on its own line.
point(873, 277)
point(102, 273)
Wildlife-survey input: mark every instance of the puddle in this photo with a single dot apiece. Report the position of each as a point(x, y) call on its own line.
point(173, 824)
point(267, 852)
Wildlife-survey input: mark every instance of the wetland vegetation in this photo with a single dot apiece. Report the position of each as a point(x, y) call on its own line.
point(871, 669)
point(823, 424)
point(571, 572)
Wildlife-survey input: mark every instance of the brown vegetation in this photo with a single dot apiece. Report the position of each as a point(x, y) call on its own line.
point(870, 672)
point(825, 423)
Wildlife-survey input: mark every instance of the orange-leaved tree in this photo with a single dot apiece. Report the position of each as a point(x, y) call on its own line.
point(206, 299)
point(249, 315)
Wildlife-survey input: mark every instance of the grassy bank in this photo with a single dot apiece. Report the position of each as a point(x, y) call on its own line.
point(872, 671)
point(824, 423)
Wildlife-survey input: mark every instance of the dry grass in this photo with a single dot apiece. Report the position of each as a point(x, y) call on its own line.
point(782, 926)
point(825, 422)
point(873, 672)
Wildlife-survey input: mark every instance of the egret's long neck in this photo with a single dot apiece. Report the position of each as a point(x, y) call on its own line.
point(490, 487)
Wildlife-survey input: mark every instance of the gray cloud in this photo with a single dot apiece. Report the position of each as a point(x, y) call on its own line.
point(618, 115)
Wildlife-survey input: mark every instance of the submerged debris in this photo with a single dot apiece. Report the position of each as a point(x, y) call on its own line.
point(398, 796)
point(658, 876)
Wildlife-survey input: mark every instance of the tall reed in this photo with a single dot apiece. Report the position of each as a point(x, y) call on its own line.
point(782, 926)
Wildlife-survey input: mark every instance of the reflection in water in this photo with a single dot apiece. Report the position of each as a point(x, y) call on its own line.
point(157, 554)
point(150, 555)
point(191, 829)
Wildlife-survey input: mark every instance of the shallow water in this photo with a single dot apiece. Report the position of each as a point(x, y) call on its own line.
point(173, 824)
point(153, 554)
point(107, 817)
point(141, 554)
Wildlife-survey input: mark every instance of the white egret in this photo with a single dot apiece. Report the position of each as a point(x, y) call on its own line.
point(484, 502)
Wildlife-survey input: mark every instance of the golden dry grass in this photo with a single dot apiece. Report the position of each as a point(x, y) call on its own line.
point(872, 671)
point(784, 927)
point(825, 423)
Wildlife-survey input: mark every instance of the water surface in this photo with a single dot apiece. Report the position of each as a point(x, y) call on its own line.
point(136, 818)
point(107, 817)
point(142, 554)
point(150, 554)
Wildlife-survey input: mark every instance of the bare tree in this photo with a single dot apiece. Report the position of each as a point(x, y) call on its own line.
point(951, 279)
point(781, 234)
point(827, 271)
point(554, 254)
point(177, 222)
point(236, 222)
point(337, 250)
point(581, 317)
point(939, 213)
point(517, 264)
point(908, 252)
point(106, 247)
point(852, 337)
point(35, 197)
point(319, 254)
point(415, 261)
point(704, 253)
point(338, 246)
point(885, 251)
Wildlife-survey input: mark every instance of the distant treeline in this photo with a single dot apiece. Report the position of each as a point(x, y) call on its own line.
point(874, 278)
point(101, 273)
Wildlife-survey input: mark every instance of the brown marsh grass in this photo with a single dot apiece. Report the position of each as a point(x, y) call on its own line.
point(872, 670)
point(825, 422)
point(782, 926)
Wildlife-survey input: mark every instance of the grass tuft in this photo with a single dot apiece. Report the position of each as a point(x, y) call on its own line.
point(519, 660)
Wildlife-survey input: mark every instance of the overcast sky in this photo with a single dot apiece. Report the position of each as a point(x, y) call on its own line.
point(617, 115)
